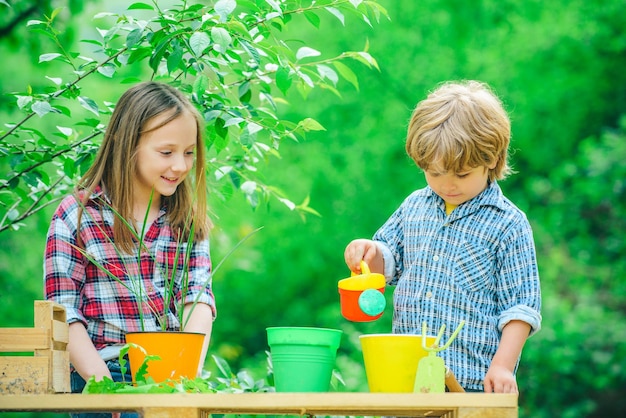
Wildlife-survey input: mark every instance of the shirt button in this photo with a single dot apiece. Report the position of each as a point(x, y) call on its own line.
point(429, 295)
point(436, 258)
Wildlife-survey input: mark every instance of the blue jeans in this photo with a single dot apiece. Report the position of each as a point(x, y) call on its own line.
point(78, 384)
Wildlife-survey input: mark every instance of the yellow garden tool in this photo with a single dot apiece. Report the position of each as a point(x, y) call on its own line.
point(431, 370)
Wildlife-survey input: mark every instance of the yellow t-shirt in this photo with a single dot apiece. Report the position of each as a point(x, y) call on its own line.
point(449, 208)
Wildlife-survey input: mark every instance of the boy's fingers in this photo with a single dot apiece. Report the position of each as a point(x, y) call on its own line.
point(488, 387)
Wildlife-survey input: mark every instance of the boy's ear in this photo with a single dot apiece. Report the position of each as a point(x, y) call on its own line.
point(492, 165)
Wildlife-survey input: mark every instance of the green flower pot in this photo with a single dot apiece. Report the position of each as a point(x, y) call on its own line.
point(303, 358)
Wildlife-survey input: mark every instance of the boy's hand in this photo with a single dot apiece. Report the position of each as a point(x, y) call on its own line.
point(365, 250)
point(499, 379)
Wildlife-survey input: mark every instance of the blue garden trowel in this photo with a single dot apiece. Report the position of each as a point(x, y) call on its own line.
point(431, 370)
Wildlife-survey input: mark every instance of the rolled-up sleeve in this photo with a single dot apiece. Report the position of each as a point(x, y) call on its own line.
point(64, 270)
point(519, 292)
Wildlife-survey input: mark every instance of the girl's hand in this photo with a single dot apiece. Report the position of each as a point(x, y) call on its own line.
point(364, 250)
point(499, 379)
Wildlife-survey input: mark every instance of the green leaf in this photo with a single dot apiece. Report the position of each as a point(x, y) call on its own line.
point(139, 54)
point(224, 8)
point(246, 138)
point(65, 131)
point(55, 12)
point(221, 37)
point(313, 18)
point(222, 366)
point(290, 205)
point(134, 37)
point(347, 73)
point(233, 121)
point(305, 52)
point(13, 214)
point(274, 4)
point(218, 141)
point(89, 104)
point(199, 87)
point(251, 50)
point(283, 79)
point(140, 6)
point(22, 101)
point(49, 57)
point(55, 80)
point(220, 129)
point(198, 42)
point(158, 53)
point(326, 72)
point(366, 59)
point(253, 128)
point(31, 178)
point(245, 94)
point(335, 12)
point(107, 70)
point(175, 58)
point(41, 108)
point(310, 124)
point(105, 385)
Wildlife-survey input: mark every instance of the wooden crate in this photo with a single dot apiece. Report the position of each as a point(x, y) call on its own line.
point(48, 369)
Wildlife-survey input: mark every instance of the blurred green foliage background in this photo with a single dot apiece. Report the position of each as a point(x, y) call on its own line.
point(559, 68)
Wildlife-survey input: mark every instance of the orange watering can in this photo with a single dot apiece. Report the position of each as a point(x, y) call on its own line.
point(362, 296)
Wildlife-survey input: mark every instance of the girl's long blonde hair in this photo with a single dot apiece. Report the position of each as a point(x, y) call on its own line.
point(115, 164)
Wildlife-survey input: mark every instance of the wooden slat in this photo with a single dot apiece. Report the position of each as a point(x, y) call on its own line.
point(180, 412)
point(48, 370)
point(458, 405)
point(60, 374)
point(46, 311)
point(24, 339)
point(60, 335)
point(23, 375)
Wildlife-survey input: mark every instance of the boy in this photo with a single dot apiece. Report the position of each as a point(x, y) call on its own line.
point(458, 249)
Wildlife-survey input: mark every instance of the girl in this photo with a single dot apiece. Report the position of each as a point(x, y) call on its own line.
point(139, 174)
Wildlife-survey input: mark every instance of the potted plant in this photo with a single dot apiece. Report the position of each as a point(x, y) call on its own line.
point(172, 354)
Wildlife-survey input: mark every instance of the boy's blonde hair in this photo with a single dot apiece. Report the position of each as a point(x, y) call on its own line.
point(458, 126)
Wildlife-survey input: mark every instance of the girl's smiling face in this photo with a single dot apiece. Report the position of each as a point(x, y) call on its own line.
point(165, 156)
point(457, 188)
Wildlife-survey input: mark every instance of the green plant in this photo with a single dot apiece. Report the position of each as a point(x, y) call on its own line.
point(229, 56)
point(225, 382)
point(134, 283)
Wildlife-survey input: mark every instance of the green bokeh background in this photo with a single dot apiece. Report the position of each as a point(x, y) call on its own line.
point(558, 67)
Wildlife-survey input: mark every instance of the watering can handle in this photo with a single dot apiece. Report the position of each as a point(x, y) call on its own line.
point(365, 269)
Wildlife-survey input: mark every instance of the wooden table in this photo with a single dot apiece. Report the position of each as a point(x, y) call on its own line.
point(188, 405)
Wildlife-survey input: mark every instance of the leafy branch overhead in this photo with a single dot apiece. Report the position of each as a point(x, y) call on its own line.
point(232, 58)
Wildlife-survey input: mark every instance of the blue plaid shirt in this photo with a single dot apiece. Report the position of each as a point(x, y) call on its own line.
point(477, 264)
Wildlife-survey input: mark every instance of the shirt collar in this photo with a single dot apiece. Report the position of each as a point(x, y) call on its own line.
point(491, 196)
point(99, 194)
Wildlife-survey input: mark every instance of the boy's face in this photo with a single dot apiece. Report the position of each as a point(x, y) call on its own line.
point(457, 188)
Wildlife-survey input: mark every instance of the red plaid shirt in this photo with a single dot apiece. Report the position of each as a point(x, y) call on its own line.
point(107, 307)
